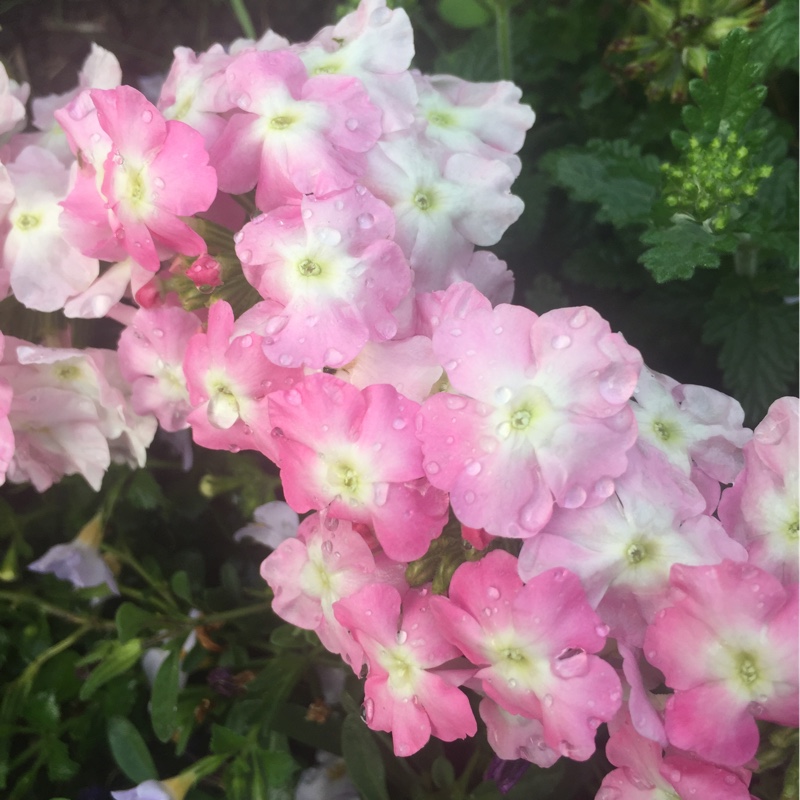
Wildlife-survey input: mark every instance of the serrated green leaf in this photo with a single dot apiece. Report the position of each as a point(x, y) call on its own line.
point(130, 751)
point(757, 333)
point(730, 94)
point(676, 252)
point(121, 658)
point(130, 619)
point(363, 758)
point(614, 174)
point(164, 699)
point(775, 42)
point(41, 710)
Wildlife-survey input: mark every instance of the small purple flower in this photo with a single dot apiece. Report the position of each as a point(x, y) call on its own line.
point(506, 774)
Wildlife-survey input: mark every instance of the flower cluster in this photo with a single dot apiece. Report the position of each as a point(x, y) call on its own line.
point(590, 568)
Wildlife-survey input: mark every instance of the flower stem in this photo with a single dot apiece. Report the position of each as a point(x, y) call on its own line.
point(56, 611)
point(502, 18)
point(243, 18)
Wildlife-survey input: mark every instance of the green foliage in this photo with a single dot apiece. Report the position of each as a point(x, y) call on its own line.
point(363, 758)
point(130, 750)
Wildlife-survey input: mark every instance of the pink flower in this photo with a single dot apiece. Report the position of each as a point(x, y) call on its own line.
point(534, 643)
point(354, 453)
point(334, 273)
point(728, 647)
point(404, 692)
point(327, 561)
point(289, 134)
point(538, 412)
point(141, 174)
point(761, 509)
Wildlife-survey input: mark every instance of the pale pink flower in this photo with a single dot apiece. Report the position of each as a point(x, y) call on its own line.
point(513, 736)
point(405, 694)
point(537, 414)
point(12, 103)
point(355, 453)
point(534, 643)
point(289, 134)
point(333, 272)
point(728, 646)
point(761, 509)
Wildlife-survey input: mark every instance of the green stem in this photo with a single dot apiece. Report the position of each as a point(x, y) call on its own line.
point(234, 613)
point(56, 611)
point(243, 18)
point(502, 18)
point(126, 558)
point(30, 671)
point(463, 781)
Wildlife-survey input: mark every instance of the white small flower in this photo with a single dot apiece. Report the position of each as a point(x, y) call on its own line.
point(272, 524)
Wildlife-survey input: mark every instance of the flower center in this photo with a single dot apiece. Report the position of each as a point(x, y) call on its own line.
point(26, 222)
point(281, 122)
point(309, 268)
point(636, 552)
point(423, 200)
point(747, 669)
point(662, 431)
point(521, 419)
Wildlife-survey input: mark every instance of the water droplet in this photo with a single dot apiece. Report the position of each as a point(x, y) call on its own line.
point(399, 424)
point(548, 700)
point(159, 183)
point(675, 775)
point(401, 637)
point(327, 547)
point(561, 341)
point(285, 360)
point(365, 221)
point(730, 779)
point(451, 365)
point(351, 124)
point(246, 341)
point(158, 333)
point(333, 357)
point(456, 331)
point(498, 330)
point(504, 430)
point(512, 684)
point(368, 710)
point(431, 467)
point(469, 497)
point(604, 487)
point(502, 395)
point(238, 236)
point(245, 256)
point(276, 324)
point(455, 402)
point(602, 630)
point(574, 498)
point(147, 116)
point(473, 468)
point(380, 493)
point(493, 593)
point(234, 448)
point(578, 319)
point(294, 398)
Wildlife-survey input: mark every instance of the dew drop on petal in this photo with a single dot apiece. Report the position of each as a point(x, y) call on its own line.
point(238, 236)
point(473, 468)
point(329, 236)
point(561, 341)
point(548, 700)
point(159, 183)
point(401, 637)
point(327, 547)
point(333, 356)
point(399, 423)
point(469, 497)
point(574, 498)
point(512, 684)
point(158, 333)
point(432, 467)
point(602, 630)
point(493, 593)
point(294, 398)
point(455, 402)
point(246, 256)
point(604, 487)
point(147, 116)
point(578, 319)
point(502, 395)
point(498, 330)
point(246, 341)
point(365, 221)
point(450, 365)
point(307, 213)
point(380, 493)
point(276, 324)
point(285, 360)
point(504, 430)
point(455, 331)
point(368, 710)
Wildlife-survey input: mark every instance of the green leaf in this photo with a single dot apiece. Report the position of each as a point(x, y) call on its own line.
point(730, 94)
point(60, 767)
point(363, 758)
point(121, 658)
point(164, 699)
point(130, 619)
point(757, 333)
point(224, 741)
point(676, 252)
point(41, 710)
point(614, 174)
point(181, 586)
point(775, 40)
point(130, 751)
point(144, 492)
point(463, 13)
point(442, 773)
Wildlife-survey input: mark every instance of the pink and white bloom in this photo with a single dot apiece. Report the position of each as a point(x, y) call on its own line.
point(534, 644)
point(538, 413)
point(354, 453)
point(327, 561)
point(333, 272)
point(151, 352)
point(761, 509)
point(44, 271)
point(623, 549)
point(728, 647)
point(645, 772)
point(229, 379)
point(289, 134)
point(405, 694)
point(513, 736)
point(141, 174)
